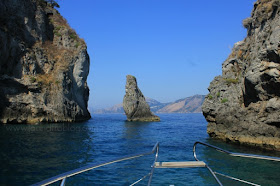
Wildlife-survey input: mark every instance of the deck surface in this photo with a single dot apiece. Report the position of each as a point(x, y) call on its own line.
point(182, 164)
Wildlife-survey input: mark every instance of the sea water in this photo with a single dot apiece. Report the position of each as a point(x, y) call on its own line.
point(32, 153)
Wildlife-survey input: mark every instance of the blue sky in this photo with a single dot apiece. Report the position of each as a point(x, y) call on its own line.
point(173, 47)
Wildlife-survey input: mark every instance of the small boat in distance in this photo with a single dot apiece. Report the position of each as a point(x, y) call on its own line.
point(182, 164)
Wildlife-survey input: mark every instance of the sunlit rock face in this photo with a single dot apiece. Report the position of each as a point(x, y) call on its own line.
point(243, 105)
point(43, 65)
point(134, 104)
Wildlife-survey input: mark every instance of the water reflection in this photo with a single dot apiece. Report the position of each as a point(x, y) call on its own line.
point(29, 150)
point(136, 135)
point(133, 130)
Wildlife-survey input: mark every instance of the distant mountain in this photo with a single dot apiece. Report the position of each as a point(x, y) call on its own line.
point(116, 109)
point(155, 105)
point(187, 105)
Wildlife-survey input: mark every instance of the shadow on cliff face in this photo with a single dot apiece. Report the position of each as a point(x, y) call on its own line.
point(271, 85)
point(17, 19)
point(14, 39)
point(250, 94)
point(9, 87)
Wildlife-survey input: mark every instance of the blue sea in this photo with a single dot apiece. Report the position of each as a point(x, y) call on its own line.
point(32, 153)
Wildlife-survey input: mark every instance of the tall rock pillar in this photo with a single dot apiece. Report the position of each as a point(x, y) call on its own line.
point(134, 104)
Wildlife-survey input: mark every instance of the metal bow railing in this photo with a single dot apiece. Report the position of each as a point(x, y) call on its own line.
point(155, 150)
point(68, 174)
point(231, 154)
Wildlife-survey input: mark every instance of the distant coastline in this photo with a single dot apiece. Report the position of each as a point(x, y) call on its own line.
point(190, 104)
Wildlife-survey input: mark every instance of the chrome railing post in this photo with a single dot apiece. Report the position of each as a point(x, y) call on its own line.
point(210, 170)
point(153, 166)
point(63, 182)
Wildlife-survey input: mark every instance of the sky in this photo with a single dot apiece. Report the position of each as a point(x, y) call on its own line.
point(174, 48)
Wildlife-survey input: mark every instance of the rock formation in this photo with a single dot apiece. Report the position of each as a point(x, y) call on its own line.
point(134, 104)
point(43, 65)
point(243, 105)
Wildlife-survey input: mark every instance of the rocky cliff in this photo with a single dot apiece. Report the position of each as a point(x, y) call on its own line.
point(43, 65)
point(134, 104)
point(243, 105)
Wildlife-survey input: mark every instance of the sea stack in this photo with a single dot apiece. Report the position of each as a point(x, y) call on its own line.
point(134, 104)
point(243, 105)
